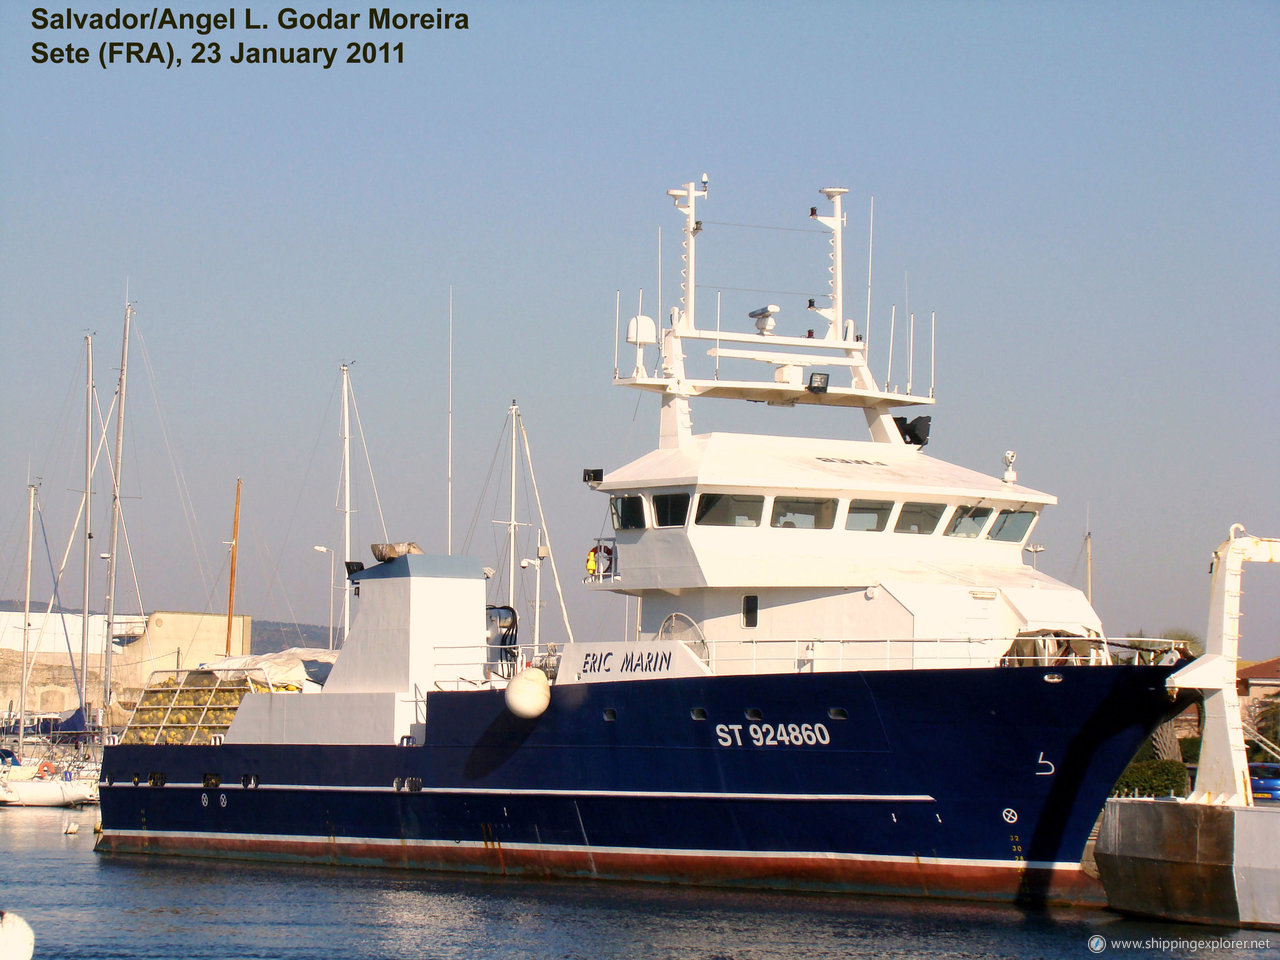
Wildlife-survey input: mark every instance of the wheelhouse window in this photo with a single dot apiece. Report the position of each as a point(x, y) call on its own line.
point(628, 512)
point(805, 513)
point(729, 510)
point(1011, 525)
point(967, 522)
point(670, 509)
point(919, 517)
point(868, 515)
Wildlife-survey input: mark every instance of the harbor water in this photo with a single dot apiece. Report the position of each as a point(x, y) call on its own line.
point(83, 905)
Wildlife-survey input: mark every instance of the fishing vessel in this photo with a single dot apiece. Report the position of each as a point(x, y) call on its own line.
point(840, 674)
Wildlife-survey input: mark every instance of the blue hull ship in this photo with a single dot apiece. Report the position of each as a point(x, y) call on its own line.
point(920, 786)
point(839, 674)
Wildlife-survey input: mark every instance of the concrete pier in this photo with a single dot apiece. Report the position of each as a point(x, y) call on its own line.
point(1192, 862)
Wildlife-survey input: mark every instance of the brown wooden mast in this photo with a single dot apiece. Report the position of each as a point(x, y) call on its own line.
point(231, 590)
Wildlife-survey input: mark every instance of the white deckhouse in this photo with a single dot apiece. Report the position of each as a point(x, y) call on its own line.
point(772, 553)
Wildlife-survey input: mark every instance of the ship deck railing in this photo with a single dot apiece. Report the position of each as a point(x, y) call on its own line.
point(192, 706)
point(458, 669)
point(753, 656)
point(771, 656)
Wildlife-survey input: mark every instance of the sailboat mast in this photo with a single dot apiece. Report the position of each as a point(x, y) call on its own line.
point(235, 545)
point(26, 618)
point(117, 463)
point(346, 501)
point(448, 509)
point(514, 413)
point(1088, 566)
point(544, 533)
point(88, 525)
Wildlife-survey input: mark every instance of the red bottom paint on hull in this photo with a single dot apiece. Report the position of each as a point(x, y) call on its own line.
point(916, 878)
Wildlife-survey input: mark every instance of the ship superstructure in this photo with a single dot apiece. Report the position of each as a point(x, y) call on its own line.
point(769, 549)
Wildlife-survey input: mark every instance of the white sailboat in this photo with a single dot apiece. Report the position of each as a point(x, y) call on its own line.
point(29, 784)
point(75, 783)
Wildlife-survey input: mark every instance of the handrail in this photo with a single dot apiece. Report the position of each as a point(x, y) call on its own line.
point(754, 655)
point(1251, 733)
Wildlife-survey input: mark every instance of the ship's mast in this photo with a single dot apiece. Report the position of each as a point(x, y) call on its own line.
point(675, 425)
point(231, 586)
point(834, 314)
point(88, 524)
point(801, 365)
point(346, 503)
point(26, 618)
point(514, 414)
point(117, 464)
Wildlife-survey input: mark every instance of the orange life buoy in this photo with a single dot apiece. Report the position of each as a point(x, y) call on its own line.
point(46, 770)
point(600, 560)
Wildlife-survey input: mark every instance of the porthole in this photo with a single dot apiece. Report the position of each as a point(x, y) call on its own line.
point(754, 714)
point(837, 713)
point(610, 714)
point(698, 713)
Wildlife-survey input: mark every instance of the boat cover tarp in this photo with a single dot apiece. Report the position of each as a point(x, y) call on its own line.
point(284, 668)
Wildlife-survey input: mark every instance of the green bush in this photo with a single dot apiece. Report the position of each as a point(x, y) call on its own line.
point(1152, 778)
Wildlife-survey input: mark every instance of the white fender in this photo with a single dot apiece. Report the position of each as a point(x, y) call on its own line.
point(528, 693)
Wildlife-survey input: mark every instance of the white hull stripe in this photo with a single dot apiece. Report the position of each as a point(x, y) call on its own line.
point(621, 794)
point(393, 844)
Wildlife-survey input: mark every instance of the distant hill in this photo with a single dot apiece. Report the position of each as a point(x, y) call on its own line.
point(271, 635)
point(37, 606)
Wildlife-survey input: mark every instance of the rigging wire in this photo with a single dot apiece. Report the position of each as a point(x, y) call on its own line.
point(128, 546)
point(124, 526)
point(55, 598)
point(179, 477)
point(273, 572)
point(82, 512)
point(546, 534)
point(272, 566)
point(475, 517)
point(58, 443)
point(1076, 563)
point(763, 226)
point(788, 293)
point(373, 482)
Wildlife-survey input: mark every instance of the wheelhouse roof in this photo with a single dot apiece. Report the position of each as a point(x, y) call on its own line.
point(730, 461)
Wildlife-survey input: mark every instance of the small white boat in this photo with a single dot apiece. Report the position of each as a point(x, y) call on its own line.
point(12, 768)
point(47, 792)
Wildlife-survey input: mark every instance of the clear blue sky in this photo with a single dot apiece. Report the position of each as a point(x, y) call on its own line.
point(1086, 193)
